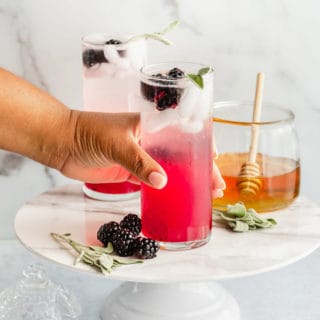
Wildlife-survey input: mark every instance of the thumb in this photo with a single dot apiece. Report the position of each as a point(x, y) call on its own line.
point(132, 157)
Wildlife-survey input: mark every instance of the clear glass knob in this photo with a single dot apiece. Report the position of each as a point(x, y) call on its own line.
point(36, 297)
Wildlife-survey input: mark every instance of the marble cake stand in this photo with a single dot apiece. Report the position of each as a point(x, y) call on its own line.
point(175, 285)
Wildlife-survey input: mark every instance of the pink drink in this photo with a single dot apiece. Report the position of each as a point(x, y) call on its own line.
point(181, 212)
point(109, 78)
point(176, 131)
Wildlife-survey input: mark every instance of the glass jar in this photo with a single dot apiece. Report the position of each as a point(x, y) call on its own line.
point(277, 155)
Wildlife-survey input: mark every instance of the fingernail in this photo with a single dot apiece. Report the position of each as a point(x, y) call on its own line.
point(157, 180)
point(219, 193)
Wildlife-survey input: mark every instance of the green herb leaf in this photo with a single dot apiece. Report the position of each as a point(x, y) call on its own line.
point(106, 261)
point(203, 71)
point(171, 26)
point(238, 210)
point(159, 36)
point(239, 219)
point(95, 256)
point(196, 79)
point(272, 221)
point(240, 226)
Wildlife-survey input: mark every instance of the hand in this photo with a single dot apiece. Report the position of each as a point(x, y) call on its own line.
point(110, 152)
point(218, 184)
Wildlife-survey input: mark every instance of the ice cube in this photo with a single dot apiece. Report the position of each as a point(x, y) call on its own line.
point(205, 103)
point(139, 104)
point(121, 73)
point(189, 102)
point(108, 69)
point(159, 120)
point(112, 55)
point(190, 126)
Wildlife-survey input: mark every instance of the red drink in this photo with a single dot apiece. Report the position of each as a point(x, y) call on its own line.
point(113, 188)
point(181, 212)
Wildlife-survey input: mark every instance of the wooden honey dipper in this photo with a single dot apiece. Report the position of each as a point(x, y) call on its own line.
point(248, 182)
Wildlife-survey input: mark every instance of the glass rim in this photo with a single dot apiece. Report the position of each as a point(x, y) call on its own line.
point(85, 41)
point(228, 103)
point(147, 76)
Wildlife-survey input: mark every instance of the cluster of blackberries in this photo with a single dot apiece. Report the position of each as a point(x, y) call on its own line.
point(91, 57)
point(164, 97)
point(125, 239)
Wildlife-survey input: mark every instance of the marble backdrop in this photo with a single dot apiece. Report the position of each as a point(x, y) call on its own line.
point(40, 40)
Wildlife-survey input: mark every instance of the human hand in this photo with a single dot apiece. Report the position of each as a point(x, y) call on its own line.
point(218, 184)
point(105, 149)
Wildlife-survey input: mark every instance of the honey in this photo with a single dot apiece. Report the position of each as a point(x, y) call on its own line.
point(280, 180)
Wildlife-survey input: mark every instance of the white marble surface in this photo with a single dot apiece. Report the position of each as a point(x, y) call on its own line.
point(227, 255)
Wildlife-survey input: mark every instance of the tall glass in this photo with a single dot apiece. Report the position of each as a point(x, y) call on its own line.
point(176, 131)
point(110, 72)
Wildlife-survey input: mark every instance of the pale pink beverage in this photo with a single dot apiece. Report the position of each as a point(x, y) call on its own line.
point(177, 132)
point(110, 74)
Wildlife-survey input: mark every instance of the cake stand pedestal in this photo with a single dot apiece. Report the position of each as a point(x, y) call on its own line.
point(175, 285)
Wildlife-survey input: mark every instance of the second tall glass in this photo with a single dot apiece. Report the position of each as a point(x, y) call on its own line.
point(176, 131)
point(110, 72)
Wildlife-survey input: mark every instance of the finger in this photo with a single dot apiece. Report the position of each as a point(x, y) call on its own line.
point(132, 157)
point(217, 180)
point(217, 193)
point(215, 149)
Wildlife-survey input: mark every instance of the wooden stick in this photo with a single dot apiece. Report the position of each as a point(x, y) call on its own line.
point(256, 118)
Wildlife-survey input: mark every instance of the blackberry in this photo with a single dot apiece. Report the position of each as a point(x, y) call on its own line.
point(166, 98)
point(124, 245)
point(176, 73)
point(132, 223)
point(113, 41)
point(91, 57)
point(146, 248)
point(163, 97)
point(108, 232)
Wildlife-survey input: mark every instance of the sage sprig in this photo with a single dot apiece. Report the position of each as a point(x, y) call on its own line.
point(99, 257)
point(240, 219)
point(159, 36)
point(197, 79)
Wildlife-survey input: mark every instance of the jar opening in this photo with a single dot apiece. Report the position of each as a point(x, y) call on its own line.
point(240, 113)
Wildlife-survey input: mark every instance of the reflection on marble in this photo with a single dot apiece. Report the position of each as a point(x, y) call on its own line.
point(227, 255)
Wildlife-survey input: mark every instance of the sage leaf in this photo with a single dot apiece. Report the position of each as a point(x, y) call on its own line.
point(79, 257)
point(239, 219)
point(159, 36)
point(196, 79)
point(272, 221)
point(106, 261)
point(171, 26)
point(125, 260)
point(95, 256)
point(203, 71)
point(108, 249)
point(240, 226)
point(238, 210)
